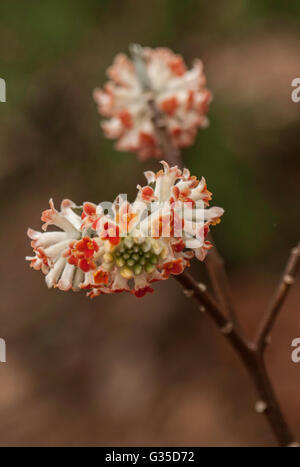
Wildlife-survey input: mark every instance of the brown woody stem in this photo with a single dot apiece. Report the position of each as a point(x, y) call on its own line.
point(251, 356)
point(215, 267)
point(287, 280)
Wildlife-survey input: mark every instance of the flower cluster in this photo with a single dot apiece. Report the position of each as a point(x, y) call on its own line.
point(179, 95)
point(133, 245)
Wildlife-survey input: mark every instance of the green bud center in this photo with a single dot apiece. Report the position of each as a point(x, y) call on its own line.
point(133, 258)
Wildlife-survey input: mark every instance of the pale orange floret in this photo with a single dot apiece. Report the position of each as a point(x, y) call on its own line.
point(159, 173)
point(173, 267)
point(125, 118)
point(148, 193)
point(47, 215)
point(177, 66)
point(100, 277)
point(194, 180)
point(147, 138)
point(216, 221)
point(82, 253)
point(169, 106)
point(125, 216)
point(176, 192)
point(190, 100)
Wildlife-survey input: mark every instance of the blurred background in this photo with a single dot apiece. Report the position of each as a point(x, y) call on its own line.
point(118, 370)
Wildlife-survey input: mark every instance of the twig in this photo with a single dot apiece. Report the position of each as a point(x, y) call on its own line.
point(287, 280)
point(199, 292)
point(250, 356)
point(170, 153)
point(217, 274)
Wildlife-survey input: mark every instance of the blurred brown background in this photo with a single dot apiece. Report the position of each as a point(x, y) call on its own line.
point(117, 370)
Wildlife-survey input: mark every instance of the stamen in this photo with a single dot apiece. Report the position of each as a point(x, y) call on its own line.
point(108, 258)
point(126, 273)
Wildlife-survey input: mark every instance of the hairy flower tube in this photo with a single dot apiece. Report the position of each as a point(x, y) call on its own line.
point(159, 77)
point(133, 244)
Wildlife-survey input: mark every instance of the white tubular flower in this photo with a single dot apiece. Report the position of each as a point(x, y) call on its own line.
point(66, 256)
point(179, 95)
point(132, 246)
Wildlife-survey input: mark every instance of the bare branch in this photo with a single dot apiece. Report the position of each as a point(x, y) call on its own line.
point(216, 270)
point(170, 153)
point(281, 292)
point(199, 293)
point(267, 403)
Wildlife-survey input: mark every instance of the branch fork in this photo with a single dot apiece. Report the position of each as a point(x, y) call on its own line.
point(252, 352)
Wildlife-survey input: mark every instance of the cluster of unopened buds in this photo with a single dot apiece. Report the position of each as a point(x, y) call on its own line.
point(154, 78)
point(132, 245)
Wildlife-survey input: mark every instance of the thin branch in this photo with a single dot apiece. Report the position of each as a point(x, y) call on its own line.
point(250, 356)
point(281, 292)
point(206, 303)
point(170, 152)
point(216, 271)
point(199, 292)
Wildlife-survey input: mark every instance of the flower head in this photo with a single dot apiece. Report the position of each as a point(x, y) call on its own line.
point(159, 78)
point(133, 245)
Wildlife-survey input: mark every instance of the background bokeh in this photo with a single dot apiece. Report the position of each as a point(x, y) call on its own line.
point(117, 370)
